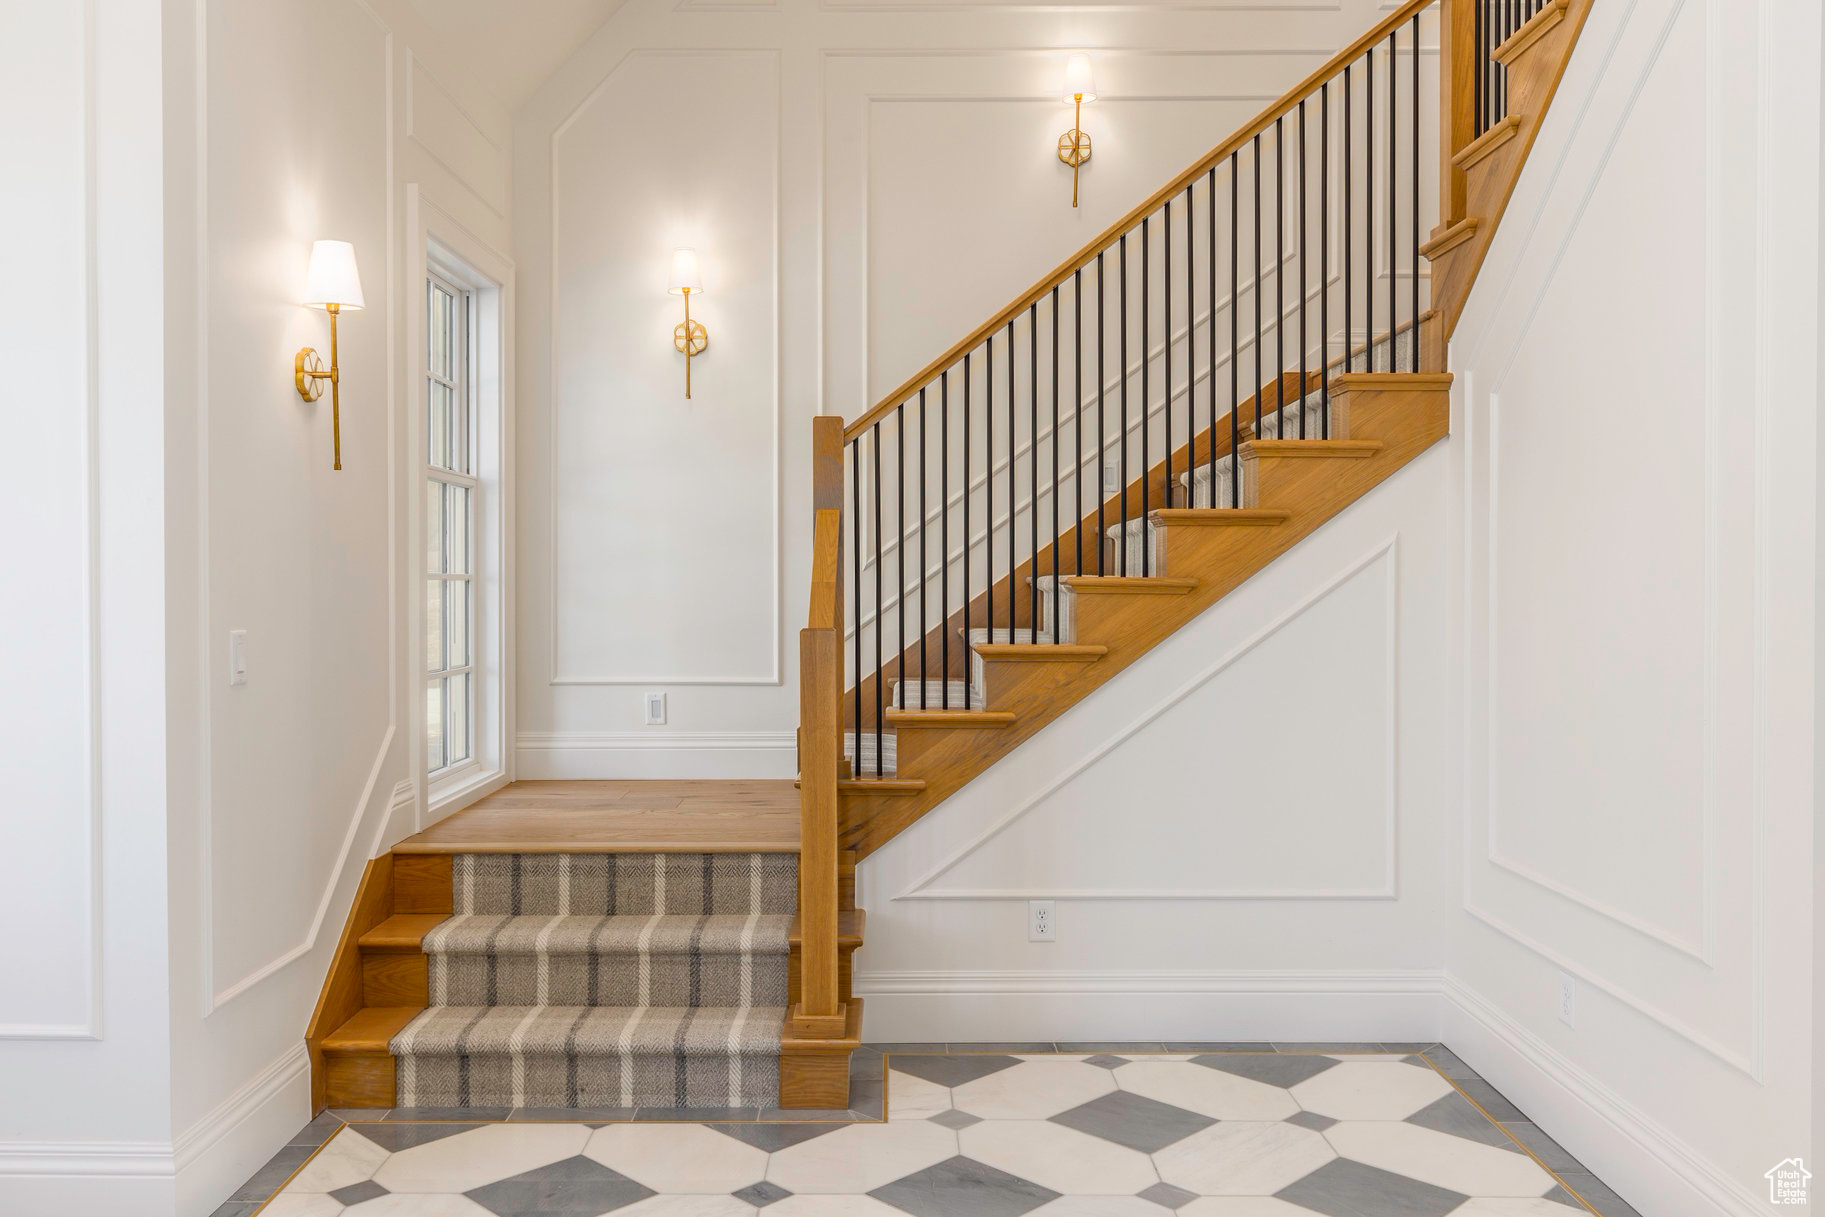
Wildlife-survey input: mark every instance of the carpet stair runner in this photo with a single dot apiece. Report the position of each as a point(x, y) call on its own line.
point(604, 980)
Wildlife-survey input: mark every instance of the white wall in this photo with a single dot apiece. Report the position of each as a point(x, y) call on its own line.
point(1243, 831)
point(284, 787)
point(1633, 606)
point(865, 183)
point(85, 1126)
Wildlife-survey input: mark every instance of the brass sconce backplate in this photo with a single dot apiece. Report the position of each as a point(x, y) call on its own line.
point(690, 337)
point(309, 374)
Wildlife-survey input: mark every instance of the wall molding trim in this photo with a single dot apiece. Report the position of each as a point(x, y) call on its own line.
point(636, 754)
point(1386, 554)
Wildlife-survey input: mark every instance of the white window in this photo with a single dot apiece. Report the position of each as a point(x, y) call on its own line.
point(452, 493)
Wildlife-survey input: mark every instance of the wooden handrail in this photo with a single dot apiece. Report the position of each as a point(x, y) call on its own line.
point(819, 1011)
point(1287, 102)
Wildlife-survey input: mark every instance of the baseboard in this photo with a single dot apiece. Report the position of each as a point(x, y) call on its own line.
point(87, 1179)
point(222, 1150)
point(1394, 1006)
point(656, 753)
point(1648, 1166)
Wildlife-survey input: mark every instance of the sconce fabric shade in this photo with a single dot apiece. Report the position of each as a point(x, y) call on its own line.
point(1078, 79)
point(686, 275)
point(333, 277)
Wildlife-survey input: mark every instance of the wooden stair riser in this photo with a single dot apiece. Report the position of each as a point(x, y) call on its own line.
point(422, 884)
point(1108, 617)
point(1015, 684)
point(1543, 42)
point(393, 978)
point(927, 748)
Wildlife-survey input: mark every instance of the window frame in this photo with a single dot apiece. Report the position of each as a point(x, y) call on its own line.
point(464, 336)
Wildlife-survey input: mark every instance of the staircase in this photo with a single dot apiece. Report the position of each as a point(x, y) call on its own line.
point(1233, 363)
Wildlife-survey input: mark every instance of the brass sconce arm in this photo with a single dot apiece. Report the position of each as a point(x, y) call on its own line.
point(309, 372)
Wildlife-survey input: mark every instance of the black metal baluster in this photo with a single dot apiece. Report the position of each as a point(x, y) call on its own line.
point(1304, 223)
point(988, 502)
point(1191, 369)
point(899, 549)
point(1279, 280)
point(1413, 250)
point(1258, 361)
point(1032, 474)
point(1077, 434)
point(1210, 348)
point(1349, 223)
point(966, 548)
point(874, 445)
point(1122, 488)
point(1166, 295)
point(1146, 393)
point(1324, 260)
point(1368, 206)
point(1056, 573)
point(1012, 513)
point(855, 536)
point(1393, 195)
point(1102, 425)
point(924, 624)
point(1235, 349)
point(944, 534)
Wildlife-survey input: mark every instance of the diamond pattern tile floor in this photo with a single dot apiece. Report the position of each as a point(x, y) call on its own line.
point(1363, 1130)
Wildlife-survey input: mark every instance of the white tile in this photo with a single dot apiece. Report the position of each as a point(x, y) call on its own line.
point(830, 1206)
point(1254, 1206)
point(407, 1204)
point(302, 1204)
point(1371, 1090)
point(687, 1206)
point(1441, 1159)
point(678, 1157)
point(1210, 1092)
point(1036, 1088)
point(1101, 1206)
point(347, 1158)
point(911, 1098)
point(1243, 1158)
point(481, 1155)
point(861, 1157)
point(1505, 1206)
point(1057, 1157)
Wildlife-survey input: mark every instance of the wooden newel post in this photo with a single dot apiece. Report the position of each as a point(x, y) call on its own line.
point(819, 1012)
point(1456, 103)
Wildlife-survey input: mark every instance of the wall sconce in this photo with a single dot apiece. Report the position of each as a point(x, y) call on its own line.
point(689, 337)
point(333, 284)
point(1074, 145)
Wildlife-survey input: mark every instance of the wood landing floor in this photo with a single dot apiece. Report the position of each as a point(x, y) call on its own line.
point(621, 817)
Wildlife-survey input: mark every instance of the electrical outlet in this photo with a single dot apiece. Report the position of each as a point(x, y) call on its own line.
point(1112, 481)
point(1568, 999)
point(1040, 925)
point(237, 657)
point(655, 709)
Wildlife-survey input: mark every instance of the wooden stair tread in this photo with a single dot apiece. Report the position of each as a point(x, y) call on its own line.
point(1345, 382)
point(1485, 144)
point(902, 719)
point(371, 1030)
point(1148, 585)
point(401, 932)
point(849, 926)
point(1532, 30)
point(1445, 241)
point(1044, 652)
point(1345, 449)
point(1208, 517)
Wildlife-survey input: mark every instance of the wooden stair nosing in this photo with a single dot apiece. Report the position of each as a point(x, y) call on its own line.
point(1130, 585)
point(850, 925)
point(1532, 30)
point(1347, 382)
point(370, 1031)
point(1485, 145)
point(1042, 652)
point(903, 720)
point(1311, 449)
point(875, 785)
point(1218, 517)
point(1444, 242)
point(402, 932)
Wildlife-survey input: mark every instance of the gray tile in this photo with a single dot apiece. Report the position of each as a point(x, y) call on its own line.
point(395, 1137)
point(910, 1047)
point(355, 1193)
point(584, 1115)
point(1114, 1046)
point(1105, 1061)
point(761, 1194)
point(1560, 1196)
point(1133, 1120)
point(963, 1187)
point(1311, 1120)
point(1167, 1195)
point(1220, 1046)
point(1599, 1195)
point(1490, 1100)
point(1408, 1047)
point(1547, 1150)
point(318, 1130)
point(1274, 1069)
point(1452, 1065)
point(1031, 1047)
point(578, 1185)
point(1454, 1114)
point(1325, 1046)
point(271, 1177)
point(826, 1114)
point(1344, 1188)
point(951, 1070)
point(698, 1115)
point(238, 1208)
point(955, 1119)
point(355, 1115)
point(774, 1137)
point(475, 1114)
